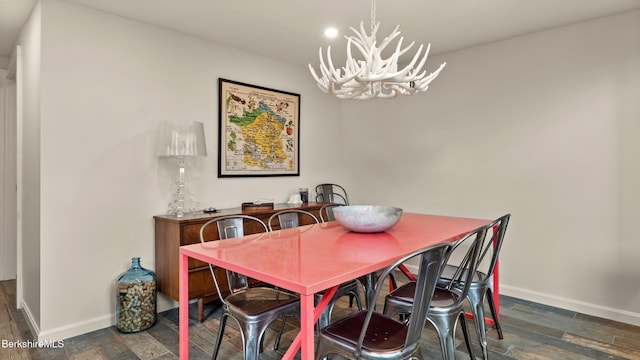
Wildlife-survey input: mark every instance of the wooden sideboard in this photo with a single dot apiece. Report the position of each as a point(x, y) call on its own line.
point(172, 232)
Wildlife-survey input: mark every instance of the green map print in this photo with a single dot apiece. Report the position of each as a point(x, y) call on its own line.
point(261, 138)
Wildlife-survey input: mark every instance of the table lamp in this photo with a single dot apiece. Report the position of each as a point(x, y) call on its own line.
point(179, 140)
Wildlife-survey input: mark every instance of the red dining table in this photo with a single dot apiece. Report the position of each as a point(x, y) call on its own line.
point(313, 258)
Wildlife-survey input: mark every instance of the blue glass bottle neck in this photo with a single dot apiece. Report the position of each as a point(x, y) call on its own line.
point(135, 264)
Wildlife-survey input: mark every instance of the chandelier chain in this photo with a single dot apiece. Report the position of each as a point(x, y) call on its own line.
point(373, 14)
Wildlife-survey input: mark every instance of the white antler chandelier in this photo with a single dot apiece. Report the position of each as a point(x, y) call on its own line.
point(372, 76)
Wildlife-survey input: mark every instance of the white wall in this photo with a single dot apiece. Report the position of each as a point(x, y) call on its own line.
point(8, 250)
point(29, 130)
point(107, 83)
point(543, 126)
point(7, 247)
point(540, 126)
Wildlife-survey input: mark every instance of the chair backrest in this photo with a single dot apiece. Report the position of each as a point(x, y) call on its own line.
point(492, 245)
point(331, 193)
point(290, 218)
point(326, 212)
point(230, 227)
point(432, 260)
point(469, 263)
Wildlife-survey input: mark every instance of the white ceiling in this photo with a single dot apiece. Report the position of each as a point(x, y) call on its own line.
point(292, 30)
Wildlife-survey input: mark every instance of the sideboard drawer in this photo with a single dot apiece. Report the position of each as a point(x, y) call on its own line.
point(191, 233)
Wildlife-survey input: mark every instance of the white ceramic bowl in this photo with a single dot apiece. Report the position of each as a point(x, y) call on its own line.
point(367, 218)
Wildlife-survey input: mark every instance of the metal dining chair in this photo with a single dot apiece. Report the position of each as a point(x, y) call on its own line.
point(326, 212)
point(289, 219)
point(370, 334)
point(331, 193)
point(446, 310)
point(253, 308)
point(481, 284)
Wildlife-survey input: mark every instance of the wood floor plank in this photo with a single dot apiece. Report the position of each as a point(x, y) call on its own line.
point(105, 341)
point(540, 344)
point(532, 331)
point(168, 356)
point(624, 335)
point(145, 346)
point(558, 322)
point(514, 319)
point(603, 347)
point(631, 343)
point(93, 354)
point(15, 354)
point(164, 334)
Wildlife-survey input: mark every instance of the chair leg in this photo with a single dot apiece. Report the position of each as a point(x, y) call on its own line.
point(445, 327)
point(465, 332)
point(367, 282)
point(477, 304)
point(276, 344)
point(216, 349)
point(358, 301)
point(261, 345)
point(393, 284)
point(252, 351)
point(253, 342)
point(494, 315)
point(476, 299)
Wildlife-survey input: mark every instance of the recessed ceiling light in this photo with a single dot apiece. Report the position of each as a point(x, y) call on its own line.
point(331, 32)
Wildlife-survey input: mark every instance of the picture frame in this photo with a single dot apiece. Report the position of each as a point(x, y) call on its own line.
point(258, 131)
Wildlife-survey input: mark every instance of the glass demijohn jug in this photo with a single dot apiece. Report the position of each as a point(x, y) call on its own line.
point(136, 299)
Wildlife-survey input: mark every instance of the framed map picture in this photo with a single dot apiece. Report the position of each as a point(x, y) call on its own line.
point(259, 131)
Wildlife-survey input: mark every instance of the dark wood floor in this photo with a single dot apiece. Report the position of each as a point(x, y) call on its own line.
point(531, 331)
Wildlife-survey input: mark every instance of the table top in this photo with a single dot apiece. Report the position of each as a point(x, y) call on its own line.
point(312, 258)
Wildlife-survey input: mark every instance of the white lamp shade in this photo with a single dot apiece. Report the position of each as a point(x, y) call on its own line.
point(178, 139)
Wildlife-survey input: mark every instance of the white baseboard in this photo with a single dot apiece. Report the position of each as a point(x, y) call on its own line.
point(75, 329)
point(165, 303)
point(573, 305)
point(33, 326)
point(565, 303)
point(83, 327)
